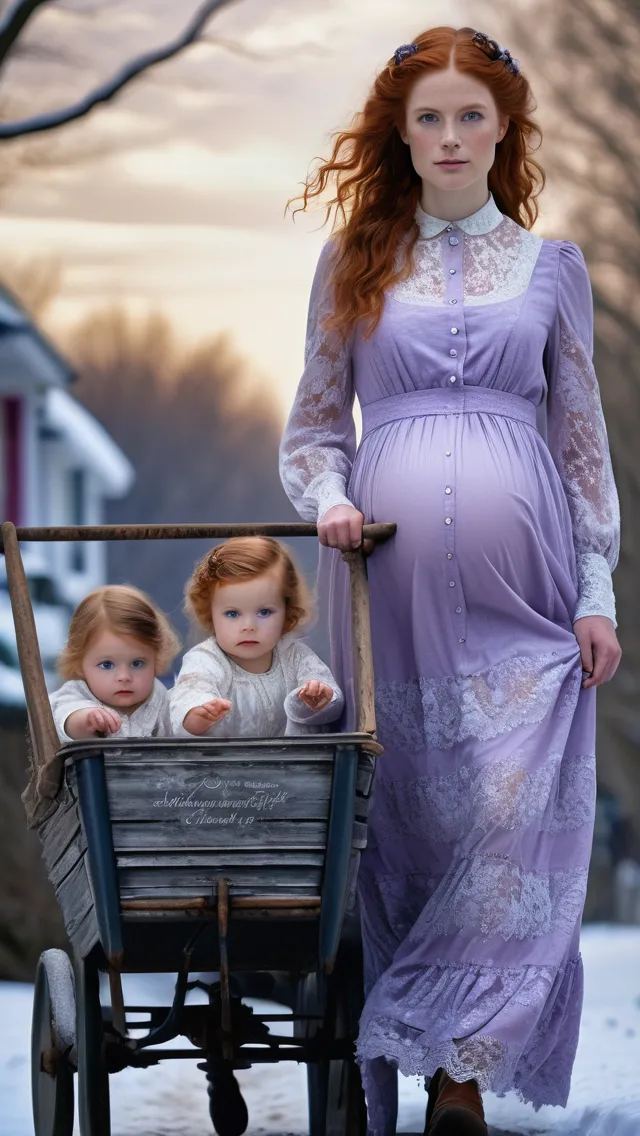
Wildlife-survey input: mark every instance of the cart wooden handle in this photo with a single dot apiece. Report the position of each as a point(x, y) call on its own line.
point(43, 732)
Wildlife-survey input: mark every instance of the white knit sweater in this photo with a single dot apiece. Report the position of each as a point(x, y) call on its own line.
point(150, 720)
point(263, 705)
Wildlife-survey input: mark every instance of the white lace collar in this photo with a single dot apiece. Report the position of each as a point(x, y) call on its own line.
point(483, 221)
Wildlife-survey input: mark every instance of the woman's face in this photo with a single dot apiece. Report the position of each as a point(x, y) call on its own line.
point(452, 125)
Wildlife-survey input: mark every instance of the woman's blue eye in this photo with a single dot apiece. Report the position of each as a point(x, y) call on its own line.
point(106, 665)
point(138, 663)
point(475, 112)
point(428, 116)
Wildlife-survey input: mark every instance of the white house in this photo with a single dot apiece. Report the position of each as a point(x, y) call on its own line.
point(58, 465)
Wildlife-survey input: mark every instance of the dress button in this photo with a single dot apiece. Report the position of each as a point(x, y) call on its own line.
point(448, 489)
point(449, 228)
point(453, 353)
point(452, 583)
point(447, 453)
point(454, 331)
point(447, 520)
point(452, 379)
point(453, 301)
point(453, 241)
point(452, 272)
point(449, 556)
point(460, 640)
point(458, 610)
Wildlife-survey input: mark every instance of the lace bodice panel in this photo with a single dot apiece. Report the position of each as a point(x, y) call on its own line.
point(497, 266)
point(577, 438)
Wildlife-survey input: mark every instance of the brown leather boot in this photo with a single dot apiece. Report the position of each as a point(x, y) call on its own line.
point(454, 1109)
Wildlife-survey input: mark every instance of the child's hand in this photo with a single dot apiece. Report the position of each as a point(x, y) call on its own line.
point(84, 724)
point(198, 720)
point(316, 695)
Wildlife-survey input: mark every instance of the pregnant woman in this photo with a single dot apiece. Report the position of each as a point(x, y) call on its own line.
point(467, 340)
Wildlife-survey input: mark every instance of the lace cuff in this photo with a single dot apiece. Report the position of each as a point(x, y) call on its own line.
point(595, 587)
point(328, 490)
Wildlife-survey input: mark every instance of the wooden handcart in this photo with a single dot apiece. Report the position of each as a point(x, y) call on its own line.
point(235, 857)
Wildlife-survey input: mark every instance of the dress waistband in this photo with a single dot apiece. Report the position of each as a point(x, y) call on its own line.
point(437, 400)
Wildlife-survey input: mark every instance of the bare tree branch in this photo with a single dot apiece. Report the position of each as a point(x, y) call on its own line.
point(102, 94)
point(14, 21)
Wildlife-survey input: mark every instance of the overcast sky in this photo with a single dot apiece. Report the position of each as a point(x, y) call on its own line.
point(172, 198)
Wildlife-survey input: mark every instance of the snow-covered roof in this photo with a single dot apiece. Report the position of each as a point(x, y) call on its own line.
point(89, 442)
point(26, 355)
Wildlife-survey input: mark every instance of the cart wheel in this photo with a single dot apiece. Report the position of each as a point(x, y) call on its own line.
point(336, 1100)
point(93, 1078)
point(312, 1000)
point(53, 1029)
point(227, 1106)
point(346, 1108)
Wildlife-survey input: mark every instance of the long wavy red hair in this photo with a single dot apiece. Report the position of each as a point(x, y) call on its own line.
point(377, 189)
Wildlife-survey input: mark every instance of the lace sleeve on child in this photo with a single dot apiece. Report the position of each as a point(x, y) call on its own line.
point(318, 445)
point(578, 441)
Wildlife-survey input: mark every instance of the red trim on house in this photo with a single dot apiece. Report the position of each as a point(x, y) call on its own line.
point(12, 418)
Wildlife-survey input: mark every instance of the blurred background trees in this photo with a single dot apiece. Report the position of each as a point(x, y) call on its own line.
point(201, 433)
point(584, 61)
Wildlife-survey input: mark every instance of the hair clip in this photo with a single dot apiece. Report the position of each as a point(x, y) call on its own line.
point(404, 52)
point(496, 53)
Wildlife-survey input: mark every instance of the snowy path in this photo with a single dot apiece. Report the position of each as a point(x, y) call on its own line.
point(170, 1099)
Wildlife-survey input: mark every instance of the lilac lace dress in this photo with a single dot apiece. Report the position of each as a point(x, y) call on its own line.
point(483, 438)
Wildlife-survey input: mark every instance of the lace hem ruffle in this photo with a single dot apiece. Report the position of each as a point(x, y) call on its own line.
point(452, 1004)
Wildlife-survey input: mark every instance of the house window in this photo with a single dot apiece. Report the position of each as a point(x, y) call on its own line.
point(78, 510)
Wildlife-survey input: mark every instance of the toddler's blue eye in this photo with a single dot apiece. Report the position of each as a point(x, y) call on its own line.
point(231, 613)
point(265, 611)
point(138, 663)
point(106, 665)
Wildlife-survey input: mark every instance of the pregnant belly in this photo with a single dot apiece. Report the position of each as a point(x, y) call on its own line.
point(474, 492)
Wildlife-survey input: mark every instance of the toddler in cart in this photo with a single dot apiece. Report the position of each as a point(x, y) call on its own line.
point(252, 677)
point(118, 643)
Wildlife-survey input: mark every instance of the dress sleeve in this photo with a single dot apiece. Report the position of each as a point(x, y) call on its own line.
point(65, 701)
point(200, 679)
point(319, 442)
point(306, 665)
point(577, 438)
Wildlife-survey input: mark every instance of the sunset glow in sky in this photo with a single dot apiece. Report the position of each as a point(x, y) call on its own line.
point(173, 197)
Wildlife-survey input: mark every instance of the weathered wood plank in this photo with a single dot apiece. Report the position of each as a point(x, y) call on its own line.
point(366, 768)
point(75, 897)
point(256, 750)
point(359, 837)
point(214, 857)
point(85, 934)
point(274, 791)
point(59, 831)
point(70, 857)
point(259, 880)
point(217, 831)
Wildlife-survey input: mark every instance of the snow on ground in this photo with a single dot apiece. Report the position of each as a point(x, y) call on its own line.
point(171, 1098)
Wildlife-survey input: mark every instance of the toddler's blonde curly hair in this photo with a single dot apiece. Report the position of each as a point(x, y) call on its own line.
point(122, 610)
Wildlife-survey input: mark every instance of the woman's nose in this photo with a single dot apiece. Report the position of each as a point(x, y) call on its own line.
point(449, 139)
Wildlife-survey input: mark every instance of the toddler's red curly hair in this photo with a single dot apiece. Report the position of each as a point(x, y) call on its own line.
point(244, 558)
